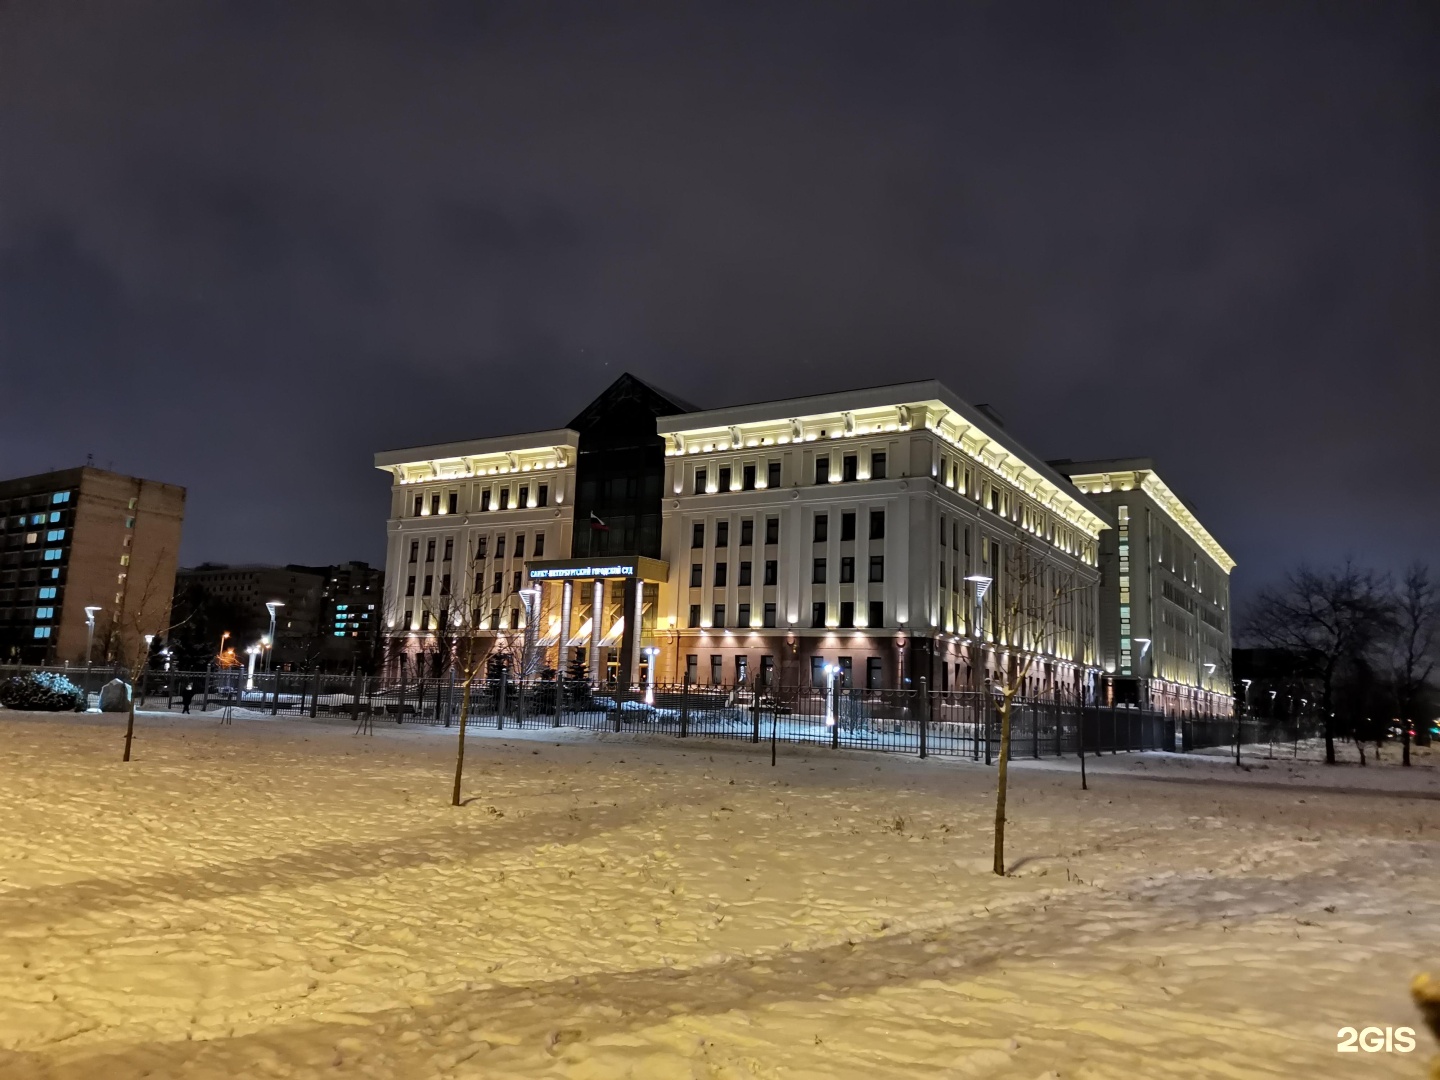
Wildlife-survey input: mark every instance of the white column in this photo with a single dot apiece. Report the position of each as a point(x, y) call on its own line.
point(567, 597)
point(633, 626)
point(596, 633)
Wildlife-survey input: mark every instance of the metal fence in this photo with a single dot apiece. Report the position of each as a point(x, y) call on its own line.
point(916, 721)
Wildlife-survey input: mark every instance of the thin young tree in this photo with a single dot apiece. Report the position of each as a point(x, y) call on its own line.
point(1415, 641)
point(472, 651)
point(1033, 600)
point(1324, 618)
point(144, 617)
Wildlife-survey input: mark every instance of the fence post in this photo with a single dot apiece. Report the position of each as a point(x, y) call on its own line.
point(1035, 731)
point(205, 690)
point(559, 697)
point(774, 723)
point(1080, 724)
point(834, 694)
point(500, 699)
point(169, 691)
point(315, 695)
point(923, 701)
point(754, 712)
point(989, 713)
point(685, 706)
point(275, 693)
point(355, 707)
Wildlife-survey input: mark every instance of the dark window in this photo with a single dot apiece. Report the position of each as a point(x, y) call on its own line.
point(742, 617)
point(772, 530)
point(720, 573)
point(772, 474)
point(847, 614)
point(845, 665)
point(454, 502)
point(822, 469)
point(817, 614)
point(697, 575)
point(409, 619)
point(700, 481)
point(771, 569)
point(500, 546)
point(515, 581)
point(449, 548)
point(944, 533)
point(505, 498)
point(485, 499)
point(435, 503)
point(498, 583)
point(429, 550)
point(519, 545)
point(479, 586)
point(717, 669)
point(722, 534)
point(744, 573)
point(444, 584)
point(523, 499)
point(424, 620)
point(724, 482)
point(697, 535)
point(747, 532)
point(769, 617)
point(719, 620)
point(877, 465)
point(877, 613)
point(877, 567)
point(542, 495)
point(818, 575)
point(847, 569)
point(747, 478)
point(877, 524)
point(410, 585)
point(849, 467)
point(419, 504)
point(494, 617)
point(847, 527)
point(692, 662)
point(429, 582)
point(817, 671)
point(694, 616)
point(539, 544)
point(873, 679)
point(822, 528)
point(482, 547)
point(767, 671)
point(414, 550)
point(967, 539)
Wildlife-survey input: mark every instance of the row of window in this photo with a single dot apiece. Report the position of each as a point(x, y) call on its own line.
point(749, 478)
point(875, 610)
point(497, 583)
point(765, 677)
point(449, 503)
point(772, 530)
point(482, 547)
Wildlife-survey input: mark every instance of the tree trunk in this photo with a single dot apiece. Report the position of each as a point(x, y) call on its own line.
point(1001, 776)
point(129, 725)
point(460, 745)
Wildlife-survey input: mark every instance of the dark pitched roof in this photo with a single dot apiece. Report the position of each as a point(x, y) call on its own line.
point(629, 395)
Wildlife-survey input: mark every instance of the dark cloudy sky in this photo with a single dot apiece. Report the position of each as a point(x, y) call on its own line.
point(245, 245)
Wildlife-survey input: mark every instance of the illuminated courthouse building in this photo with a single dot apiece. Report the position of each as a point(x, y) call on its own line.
point(1164, 592)
point(749, 545)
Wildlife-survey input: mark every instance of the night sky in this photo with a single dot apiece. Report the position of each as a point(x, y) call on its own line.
point(244, 246)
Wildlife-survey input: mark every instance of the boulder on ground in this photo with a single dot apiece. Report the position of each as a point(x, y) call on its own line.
point(115, 696)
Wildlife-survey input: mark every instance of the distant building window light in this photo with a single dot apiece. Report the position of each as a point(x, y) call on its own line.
point(42, 631)
point(54, 516)
point(60, 497)
point(129, 522)
point(37, 519)
point(52, 554)
point(47, 593)
point(44, 613)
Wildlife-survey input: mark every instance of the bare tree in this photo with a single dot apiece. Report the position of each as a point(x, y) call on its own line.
point(1031, 615)
point(1327, 619)
point(1414, 640)
point(142, 619)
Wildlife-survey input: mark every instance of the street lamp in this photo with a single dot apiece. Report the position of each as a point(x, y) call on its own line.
point(271, 606)
point(831, 670)
point(651, 654)
point(89, 632)
point(253, 652)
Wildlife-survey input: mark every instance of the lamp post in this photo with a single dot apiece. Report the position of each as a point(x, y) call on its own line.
point(831, 670)
point(652, 655)
point(89, 633)
point(1144, 643)
point(271, 606)
point(253, 652)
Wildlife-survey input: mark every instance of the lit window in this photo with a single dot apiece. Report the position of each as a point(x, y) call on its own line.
point(129, 522)
point(54, 516)
point(60, 497)
point(37, 519)
point(52, 554)
point(44, 613)
point(47, 593)
point(53, 535)
point(124, 560)
point(42, 631)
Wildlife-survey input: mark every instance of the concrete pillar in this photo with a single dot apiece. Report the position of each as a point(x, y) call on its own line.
point(630, 640)
point(597, 621)
point(567, 599)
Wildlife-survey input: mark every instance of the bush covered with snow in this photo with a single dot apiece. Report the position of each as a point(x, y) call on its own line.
point(41, 691)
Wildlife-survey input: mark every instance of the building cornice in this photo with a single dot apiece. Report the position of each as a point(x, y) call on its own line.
point(523, 453)
point(1148, 481)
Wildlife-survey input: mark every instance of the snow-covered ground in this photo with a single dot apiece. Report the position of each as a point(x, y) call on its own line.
point(282, 898)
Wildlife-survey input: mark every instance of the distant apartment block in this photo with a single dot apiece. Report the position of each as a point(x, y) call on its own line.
point(85, 538)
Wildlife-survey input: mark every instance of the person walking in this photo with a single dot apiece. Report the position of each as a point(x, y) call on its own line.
point(187, 695)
